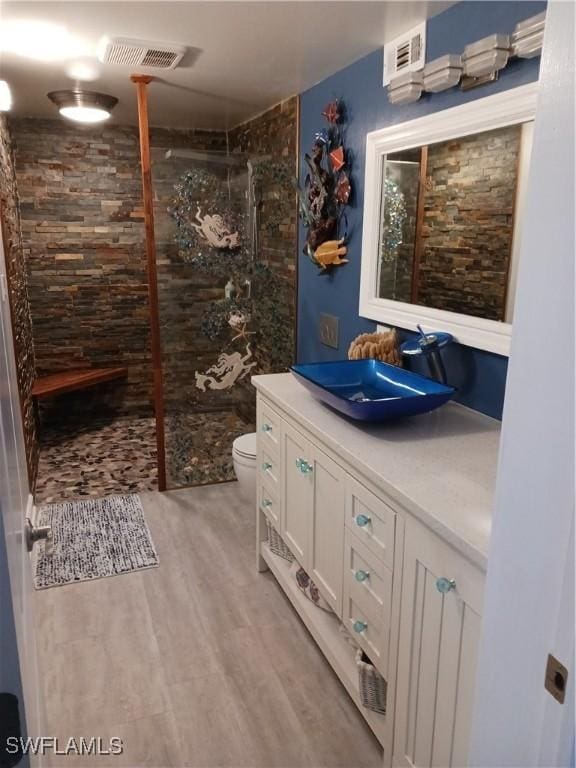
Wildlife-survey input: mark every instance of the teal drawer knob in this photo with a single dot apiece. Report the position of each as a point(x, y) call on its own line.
point(266, 466)
point(304, 466)
point(360, 626)
point(266, 428)
point(266, 503)
point(361, 575)
point(362, 520)
point(445, 585)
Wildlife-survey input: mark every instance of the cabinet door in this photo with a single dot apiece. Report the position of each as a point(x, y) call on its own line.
point(297, 488)
point(439, 634)
point(326, 533)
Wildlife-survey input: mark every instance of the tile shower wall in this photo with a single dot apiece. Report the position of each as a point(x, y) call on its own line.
point(18, 295)
point(470, 189)
point(83, 234)
point(480, 376)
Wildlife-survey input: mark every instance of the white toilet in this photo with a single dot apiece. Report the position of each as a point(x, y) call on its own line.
point(244, 457)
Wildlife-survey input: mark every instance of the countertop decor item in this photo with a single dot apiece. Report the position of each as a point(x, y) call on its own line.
point(378, 346)
point(369, 390)
point(326, 193)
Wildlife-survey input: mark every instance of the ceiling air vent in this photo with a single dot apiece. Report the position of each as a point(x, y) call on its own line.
point(406, 53)
point(140, 53)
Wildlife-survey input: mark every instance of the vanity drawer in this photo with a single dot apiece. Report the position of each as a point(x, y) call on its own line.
point(367, 580)
point(268, 502)
point(372, 636)
point(269, 428)
point(268, 466)
point(371, 520)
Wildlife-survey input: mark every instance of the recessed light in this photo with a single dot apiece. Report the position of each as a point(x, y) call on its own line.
point(83, 106)
point(5, 96)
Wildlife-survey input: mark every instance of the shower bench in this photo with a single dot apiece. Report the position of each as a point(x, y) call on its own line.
point(69, 381)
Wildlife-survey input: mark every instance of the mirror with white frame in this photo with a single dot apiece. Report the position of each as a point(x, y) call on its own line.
point(442, 216)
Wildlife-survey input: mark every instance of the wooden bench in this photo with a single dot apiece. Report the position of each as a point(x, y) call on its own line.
point(69, 381)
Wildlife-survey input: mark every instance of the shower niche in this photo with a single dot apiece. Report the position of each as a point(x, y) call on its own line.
point(225, 313)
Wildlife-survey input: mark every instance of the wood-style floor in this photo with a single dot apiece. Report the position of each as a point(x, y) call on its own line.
point(199, 662)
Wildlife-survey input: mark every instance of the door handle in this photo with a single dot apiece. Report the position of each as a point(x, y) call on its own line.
point(33, 534)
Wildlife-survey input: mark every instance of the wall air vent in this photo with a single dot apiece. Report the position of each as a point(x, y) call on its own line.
point(140, 53)
point(406, 53)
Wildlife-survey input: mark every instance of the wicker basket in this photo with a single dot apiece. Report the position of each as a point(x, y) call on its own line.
point(372, 684)
point(276, 543)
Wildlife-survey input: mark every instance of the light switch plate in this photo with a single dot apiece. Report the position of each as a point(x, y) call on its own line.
point(556, 678)
point(329, 330)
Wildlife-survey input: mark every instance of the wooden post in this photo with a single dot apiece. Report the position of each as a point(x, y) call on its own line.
point(141, 82)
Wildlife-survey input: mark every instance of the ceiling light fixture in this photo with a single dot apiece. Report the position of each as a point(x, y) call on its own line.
point(83, 106)
point(5, 96)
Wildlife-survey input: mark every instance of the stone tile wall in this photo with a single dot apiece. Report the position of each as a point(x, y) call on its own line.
point(18, 295)
point(468, 223)
point(82, 222)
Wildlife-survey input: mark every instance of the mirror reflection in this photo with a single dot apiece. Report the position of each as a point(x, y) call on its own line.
point(447, 222)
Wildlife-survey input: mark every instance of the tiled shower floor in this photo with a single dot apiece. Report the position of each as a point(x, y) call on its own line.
point(97, 459)
point(199, 447)
point(103, 458)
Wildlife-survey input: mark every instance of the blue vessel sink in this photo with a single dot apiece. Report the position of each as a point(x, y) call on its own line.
point(368, 390)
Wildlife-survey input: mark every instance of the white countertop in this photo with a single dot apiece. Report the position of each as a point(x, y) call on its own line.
point(439, 466)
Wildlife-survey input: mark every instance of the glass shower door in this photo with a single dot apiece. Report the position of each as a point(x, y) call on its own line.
point(202, 222)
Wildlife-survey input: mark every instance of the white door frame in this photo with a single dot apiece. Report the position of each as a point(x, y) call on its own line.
point(529, 598)
point(16, 504)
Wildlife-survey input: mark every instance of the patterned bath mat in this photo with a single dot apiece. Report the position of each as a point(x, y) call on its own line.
point(93, 538)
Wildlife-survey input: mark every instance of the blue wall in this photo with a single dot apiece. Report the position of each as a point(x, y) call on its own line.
point(480, 376)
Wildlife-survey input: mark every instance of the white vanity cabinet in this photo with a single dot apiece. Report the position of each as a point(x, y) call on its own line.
point(352, 503)
point(312, 517)
point(440, 618)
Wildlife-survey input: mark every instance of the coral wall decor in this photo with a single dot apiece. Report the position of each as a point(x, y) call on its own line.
point(326, 193)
